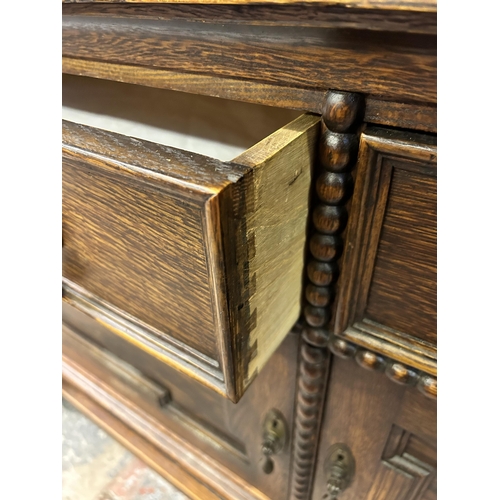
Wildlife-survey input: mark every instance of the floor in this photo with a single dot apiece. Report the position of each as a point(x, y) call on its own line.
point(96, 467)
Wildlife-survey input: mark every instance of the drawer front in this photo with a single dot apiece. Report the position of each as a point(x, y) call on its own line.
point(387, 292)
point(389, 430)
point(228, 436)
point(197, 261)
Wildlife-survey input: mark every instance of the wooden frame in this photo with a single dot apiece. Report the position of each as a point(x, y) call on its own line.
point(369, 205)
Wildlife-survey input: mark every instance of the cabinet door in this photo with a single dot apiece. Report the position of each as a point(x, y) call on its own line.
point(390, 430)
point(386, 300)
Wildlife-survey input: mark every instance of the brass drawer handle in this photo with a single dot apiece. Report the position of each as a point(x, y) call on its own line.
point(339, 469)
point(274, 438)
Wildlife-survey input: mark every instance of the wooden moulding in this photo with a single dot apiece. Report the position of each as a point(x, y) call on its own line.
point(333, 186)
point(314, 365)
point(395, 370)
point(230, 244)
point(303, 14)
point(377, 111)
point(410, 5)
point(133, 409)
point(386, 301)
point(391, 65)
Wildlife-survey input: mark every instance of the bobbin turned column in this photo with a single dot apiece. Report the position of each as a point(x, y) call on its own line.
point(333, 184)
point(338, 146)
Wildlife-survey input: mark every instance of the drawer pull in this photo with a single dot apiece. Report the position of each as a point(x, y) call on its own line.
point(339, 469)
point(274, 438)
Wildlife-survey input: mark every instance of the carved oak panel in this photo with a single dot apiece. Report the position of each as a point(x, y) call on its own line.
point(387, 289)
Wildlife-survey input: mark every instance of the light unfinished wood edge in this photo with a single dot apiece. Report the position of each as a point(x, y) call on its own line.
point(408, 5)
point(276, 227)
point(173, 457)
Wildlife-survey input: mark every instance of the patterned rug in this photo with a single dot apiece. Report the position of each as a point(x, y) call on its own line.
point(96, 467)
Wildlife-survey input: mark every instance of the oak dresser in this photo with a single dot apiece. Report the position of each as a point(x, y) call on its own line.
point(249, 242)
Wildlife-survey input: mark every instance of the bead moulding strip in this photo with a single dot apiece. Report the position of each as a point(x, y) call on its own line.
point(311, 387)
point(195, 364)
point(337, 153)
point(394, 370)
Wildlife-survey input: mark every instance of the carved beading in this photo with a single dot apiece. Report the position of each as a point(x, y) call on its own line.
point(313, 368)
point(333, 186)
point(394, 370)
point(336, 156)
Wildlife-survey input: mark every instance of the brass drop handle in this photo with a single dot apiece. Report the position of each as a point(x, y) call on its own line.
point(339, 470)
point(274, 438)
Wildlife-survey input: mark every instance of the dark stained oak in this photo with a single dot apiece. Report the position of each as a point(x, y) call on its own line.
point(394, 370)
point(401, 115)
point(311, 385)
point(376, 111)
point(312, 15)
point(114, 249)
point(403, 289)
point(182, 269)
point(214, 441)
point(336, 156)
point(140, 446)
point(390, 430)
point(404, 5)
point(387, 291)
point(398, 66)
point(150, 230)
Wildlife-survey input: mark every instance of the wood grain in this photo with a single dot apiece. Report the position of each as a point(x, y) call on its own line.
point(114, 246)
point(411, 5)
point(394, 443)
point(153, 231)
point(311, 388)
point(274, 227)
point(394, 370)
point(310, 15)
point(376, 111)
point(400, 67)
point(403, 291)
point(200, 475)
point(215, 441)
point(387, 291)
point(138, 445)
point(401, 115)
point(336, 152)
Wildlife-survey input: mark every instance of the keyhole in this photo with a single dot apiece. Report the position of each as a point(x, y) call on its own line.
point(268, 466)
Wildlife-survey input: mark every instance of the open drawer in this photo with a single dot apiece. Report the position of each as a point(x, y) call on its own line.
point(196, 260)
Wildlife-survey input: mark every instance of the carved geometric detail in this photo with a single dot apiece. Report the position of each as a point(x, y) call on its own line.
point(395, 371)
point(407, 455)
point(337, 152)
point(386, 296)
